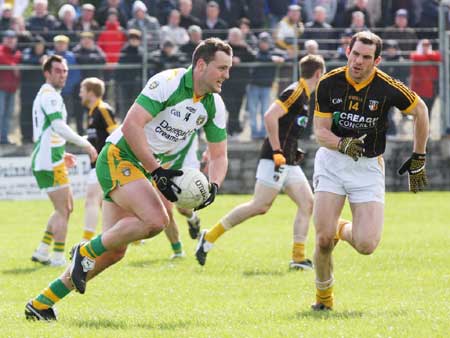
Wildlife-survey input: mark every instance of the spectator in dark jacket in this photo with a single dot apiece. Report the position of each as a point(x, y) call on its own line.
point(129, 80)
point(72, 87)
point(88, 53)
point(5, 20)
point(233, 90)
point(104, 10)
point(213, 26)
point(41, 23)
point(9, 81)
point(166, 58)
point(360, 6)
point(86, 21)
point(66, 26)
point(319, 29)
point(195, 37)
point(186, 18)
point(232, 10)
point(32, 56)
point(405, 36)
point(260, 84)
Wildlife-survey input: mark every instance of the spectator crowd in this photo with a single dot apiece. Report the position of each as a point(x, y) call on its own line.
point(113, 39)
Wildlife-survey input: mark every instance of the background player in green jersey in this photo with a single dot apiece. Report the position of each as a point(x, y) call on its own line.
point(161, 123)
point(50, 161)
point(350, 124)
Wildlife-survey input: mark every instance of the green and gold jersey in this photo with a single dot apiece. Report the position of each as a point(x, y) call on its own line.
point(49, 146)
point(177, 115)
point(361, 108)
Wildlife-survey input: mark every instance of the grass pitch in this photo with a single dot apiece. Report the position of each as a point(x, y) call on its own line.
point(245, 289)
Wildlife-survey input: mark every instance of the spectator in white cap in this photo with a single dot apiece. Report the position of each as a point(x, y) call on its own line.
point(148, 25)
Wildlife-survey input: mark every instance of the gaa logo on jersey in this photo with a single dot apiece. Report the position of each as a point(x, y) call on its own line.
point(153, 85)
point(373, 105)
point(302, 121)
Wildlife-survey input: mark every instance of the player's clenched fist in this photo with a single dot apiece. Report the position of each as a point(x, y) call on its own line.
point(415, 166)
point(352, 147)
point(163, 179)
point(278, 159)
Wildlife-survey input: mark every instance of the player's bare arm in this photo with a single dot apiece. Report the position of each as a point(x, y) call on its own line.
point(133, 131)
point(271, 117)
point(324, 136)
point(218, 162)
point(421, 127)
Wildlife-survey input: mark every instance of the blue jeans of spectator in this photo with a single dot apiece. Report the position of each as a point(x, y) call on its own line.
point(258, 100)
point(6, 111)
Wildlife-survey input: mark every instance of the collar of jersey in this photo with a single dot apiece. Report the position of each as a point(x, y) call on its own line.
point(49, 86)
point(305, 85)
point(96, 104)
point(361, 85)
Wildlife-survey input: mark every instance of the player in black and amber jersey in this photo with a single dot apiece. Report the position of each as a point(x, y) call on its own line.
point(350, 123)
point(278, 166)
point(100, 124)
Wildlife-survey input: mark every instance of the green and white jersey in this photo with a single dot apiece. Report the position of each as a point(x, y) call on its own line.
point(49, 147)
point(177, 115)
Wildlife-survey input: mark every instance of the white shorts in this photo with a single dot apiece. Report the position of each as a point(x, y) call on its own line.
point(92, 177)
point(362, 180)
point(289, 174)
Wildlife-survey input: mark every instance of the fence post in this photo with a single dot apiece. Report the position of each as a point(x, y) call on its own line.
point(443, 71)
point(144, 58)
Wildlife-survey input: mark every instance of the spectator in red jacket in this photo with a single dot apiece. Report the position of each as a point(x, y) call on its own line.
point(424, 78)
point(9, 81)
point(112, 38)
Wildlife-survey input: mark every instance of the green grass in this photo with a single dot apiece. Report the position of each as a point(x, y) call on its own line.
point(245, 289)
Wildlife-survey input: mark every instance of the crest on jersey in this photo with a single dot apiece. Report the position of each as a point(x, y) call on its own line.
point(53, 102)
point(153, 85)
point(302, 121)
point(373, 105)
point(200, 120)
point(126, 171)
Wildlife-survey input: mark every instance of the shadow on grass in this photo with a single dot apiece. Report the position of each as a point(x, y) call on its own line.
point(122, 324)
point(22, 271)
point(143, 263)
point(256, 273)
point(346, 314)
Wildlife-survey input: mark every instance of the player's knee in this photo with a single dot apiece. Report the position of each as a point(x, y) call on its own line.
point(366, 247)
point(155, 224)
point(324, 242)
point(262, 208)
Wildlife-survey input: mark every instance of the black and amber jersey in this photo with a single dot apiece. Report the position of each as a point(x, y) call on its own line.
point(362, 108)
point(101, 123)
point(295, 102)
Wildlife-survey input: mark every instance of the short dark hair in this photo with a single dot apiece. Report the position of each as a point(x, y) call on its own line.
point(368, 38)
point(207, 49)
point(47, 64)
point(309, 64)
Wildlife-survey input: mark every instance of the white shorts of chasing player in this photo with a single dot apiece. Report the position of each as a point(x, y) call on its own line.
point(92, 177)
point(287, 175)
point(362, 180)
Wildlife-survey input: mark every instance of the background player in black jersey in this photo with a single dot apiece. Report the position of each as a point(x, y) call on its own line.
point(350, 123)
point(278, 166)
point(100, 124)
